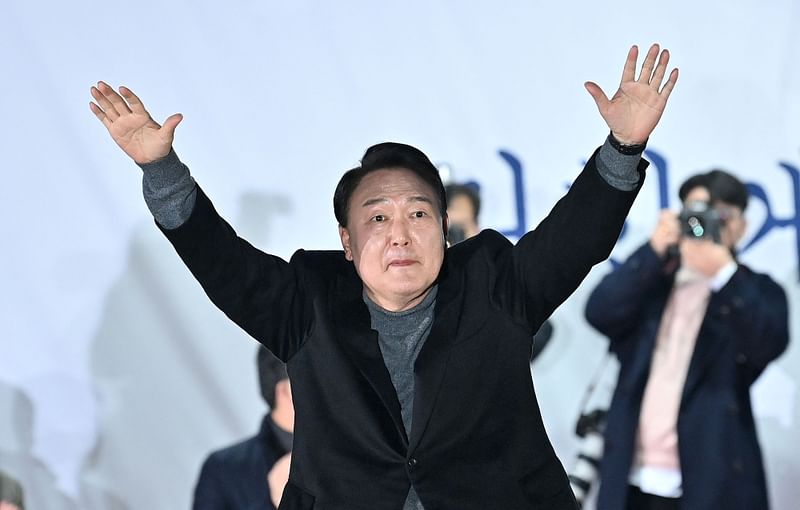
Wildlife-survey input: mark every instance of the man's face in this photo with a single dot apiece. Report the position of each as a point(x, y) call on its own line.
point(394, 236)
point(733, 223)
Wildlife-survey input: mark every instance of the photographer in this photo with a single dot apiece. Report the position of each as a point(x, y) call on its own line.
point(693, 329)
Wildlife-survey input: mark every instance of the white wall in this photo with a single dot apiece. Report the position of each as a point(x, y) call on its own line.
point(116, 374)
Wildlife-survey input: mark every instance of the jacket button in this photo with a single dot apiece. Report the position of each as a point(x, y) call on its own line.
point(412, 462)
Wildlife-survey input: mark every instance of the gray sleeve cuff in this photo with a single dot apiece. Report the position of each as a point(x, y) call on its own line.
point(169, 191)
point(617, 169)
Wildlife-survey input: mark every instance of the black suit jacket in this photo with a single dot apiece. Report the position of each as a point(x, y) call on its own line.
point(745, 327)
point(235, 478)
point(477, 439)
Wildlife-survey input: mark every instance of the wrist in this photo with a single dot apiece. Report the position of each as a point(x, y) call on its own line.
point(625, 146)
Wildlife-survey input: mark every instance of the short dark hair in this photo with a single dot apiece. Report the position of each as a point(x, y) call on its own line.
point(458, 190)
point(271, 371)
point(721, 186)
point(385, 156)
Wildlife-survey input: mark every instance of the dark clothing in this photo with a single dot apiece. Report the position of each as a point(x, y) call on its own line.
point(744, 328)
point(477, 440)
point(637, 500)
point(235, 478)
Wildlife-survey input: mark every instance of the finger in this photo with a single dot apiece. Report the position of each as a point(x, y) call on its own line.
point(133, 100)
point(600, 98)
point(629, 71)
point(100, 114)
point(171, 123)
point(648, 64)
point(105, 104)
point(113, 97)
point(661, 69)
point(667, 89)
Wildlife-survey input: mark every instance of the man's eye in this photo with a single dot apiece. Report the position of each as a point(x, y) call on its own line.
point(419, 214)
point(379, 217)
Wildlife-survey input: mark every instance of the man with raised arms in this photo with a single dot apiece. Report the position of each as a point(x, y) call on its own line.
point(408, 361)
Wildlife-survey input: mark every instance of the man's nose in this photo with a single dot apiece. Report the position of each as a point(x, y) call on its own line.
point(400, 233)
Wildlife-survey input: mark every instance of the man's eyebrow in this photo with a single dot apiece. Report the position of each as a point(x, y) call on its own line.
point(420, 198)
point(373, 201)
point(414, 198)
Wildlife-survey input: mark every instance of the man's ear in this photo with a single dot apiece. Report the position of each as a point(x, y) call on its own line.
point(445, 225)
point(344, 236)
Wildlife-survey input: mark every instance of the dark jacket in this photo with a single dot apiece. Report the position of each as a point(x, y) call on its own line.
point(477, 439)
point(745, 327)
point(235, 478)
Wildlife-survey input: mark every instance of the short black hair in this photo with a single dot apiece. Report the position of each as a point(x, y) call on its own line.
point(271, 371)
point(383, 156)
point(458, 190)
point(721, 186)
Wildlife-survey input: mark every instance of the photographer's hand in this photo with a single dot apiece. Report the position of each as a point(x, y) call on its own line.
point(704, 255)
point(667, 233)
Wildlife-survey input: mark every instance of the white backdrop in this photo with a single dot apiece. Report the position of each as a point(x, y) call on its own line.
point(116, 374)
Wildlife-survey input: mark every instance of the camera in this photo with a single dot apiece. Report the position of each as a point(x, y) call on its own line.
point(699, 220)
point(590, 428)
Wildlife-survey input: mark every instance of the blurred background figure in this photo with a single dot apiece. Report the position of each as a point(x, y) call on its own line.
point(463, 210)
point(693, 329)
point(10, 493)
point(252, 474)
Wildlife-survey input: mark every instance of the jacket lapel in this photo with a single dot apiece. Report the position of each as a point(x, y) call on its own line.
point(360, 341)
point(707, 347)
point(431, 364)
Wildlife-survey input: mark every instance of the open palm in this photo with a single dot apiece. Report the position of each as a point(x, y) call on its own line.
point(634, 111)
point(130, 126)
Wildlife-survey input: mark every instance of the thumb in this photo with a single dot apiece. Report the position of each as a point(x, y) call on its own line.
point(171, 123)
point(600, 98)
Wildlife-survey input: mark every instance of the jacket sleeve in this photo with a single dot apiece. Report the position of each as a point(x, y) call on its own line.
point(614, 306)
point(758, 311)
point(261, 293)
point(548, 263)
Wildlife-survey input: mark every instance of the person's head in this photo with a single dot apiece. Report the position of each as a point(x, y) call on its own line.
point(275, 388)
point(392, 223)
point(727, 194)
point(463, 208)
point(11, 497)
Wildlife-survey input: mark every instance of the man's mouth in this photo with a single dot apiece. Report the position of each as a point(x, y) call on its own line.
point(401, 262)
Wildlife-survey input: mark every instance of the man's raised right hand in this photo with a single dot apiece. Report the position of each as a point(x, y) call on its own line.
point(129, 124)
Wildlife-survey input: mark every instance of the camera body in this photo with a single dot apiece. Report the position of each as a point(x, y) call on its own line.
point(699, 220)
